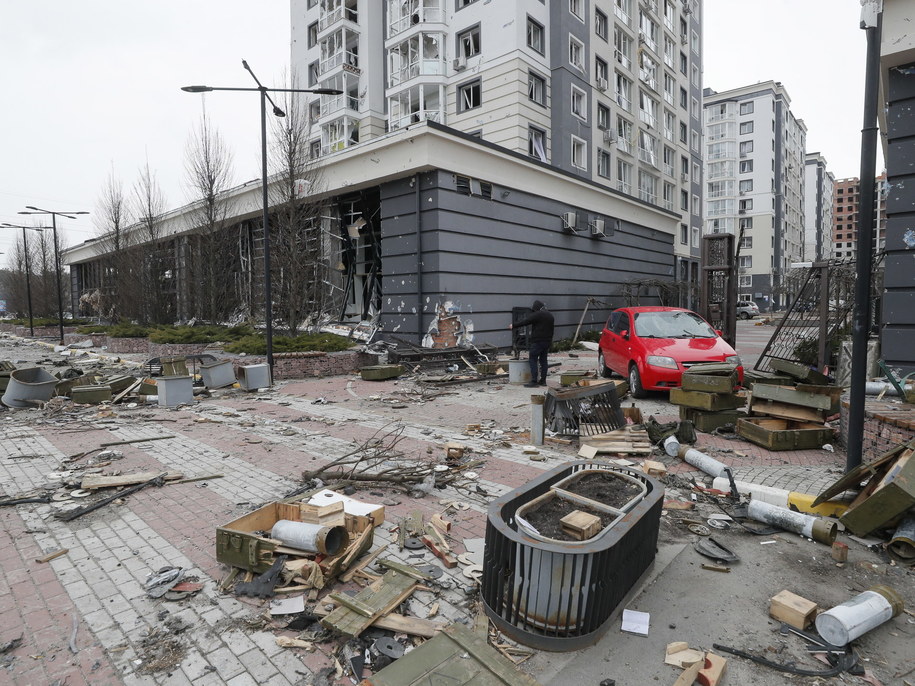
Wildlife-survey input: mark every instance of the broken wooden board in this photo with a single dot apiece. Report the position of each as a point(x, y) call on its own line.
point(581, 525)
point(626, 440)
point(378, 599)
point(454, 656)
point(449, 560)
point(94, 481)
point(792, 609)
point(398, 623)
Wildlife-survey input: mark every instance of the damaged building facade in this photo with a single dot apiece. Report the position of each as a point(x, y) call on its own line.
point(480, 155)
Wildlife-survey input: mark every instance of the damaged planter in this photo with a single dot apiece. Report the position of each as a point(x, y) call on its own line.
point(24, 385)
point(175, 390)
point(560, 595)
point(254, 376)
point(218, 374)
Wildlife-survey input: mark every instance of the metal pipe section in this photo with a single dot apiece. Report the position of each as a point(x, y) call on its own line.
point(902, 546)
point(312, 538)
point(885, 387)
point(820, 530)
point(537, 420)
point(700, 460)
point(871, 22)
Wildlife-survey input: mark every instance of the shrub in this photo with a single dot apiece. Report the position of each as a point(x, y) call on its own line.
point(47, 321)
point(257, 345)
point(127, 330)
point(199, 334)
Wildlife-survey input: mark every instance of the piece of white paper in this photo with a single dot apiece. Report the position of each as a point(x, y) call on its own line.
point(635, 622)
point(287, 606)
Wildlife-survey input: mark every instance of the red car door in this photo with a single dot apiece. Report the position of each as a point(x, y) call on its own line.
point(617, 350)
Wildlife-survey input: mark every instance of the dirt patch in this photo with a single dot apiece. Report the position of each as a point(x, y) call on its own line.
point(545, 518)
point(160, 653)
point(605, 487)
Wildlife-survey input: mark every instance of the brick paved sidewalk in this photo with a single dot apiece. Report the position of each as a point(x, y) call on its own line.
point(261, 443)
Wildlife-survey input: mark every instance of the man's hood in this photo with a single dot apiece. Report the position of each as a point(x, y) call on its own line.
point(538, 306)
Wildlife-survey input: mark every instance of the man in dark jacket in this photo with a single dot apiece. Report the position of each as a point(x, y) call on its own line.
point(540, 339)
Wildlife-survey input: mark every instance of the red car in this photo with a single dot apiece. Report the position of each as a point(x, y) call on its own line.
point(652, 346)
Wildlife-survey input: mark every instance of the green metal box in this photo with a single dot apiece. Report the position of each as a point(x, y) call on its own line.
point(783, 434)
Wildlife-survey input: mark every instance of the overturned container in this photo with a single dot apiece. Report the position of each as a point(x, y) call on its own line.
point(32, 384)
point(218, 374)
point(820, 530)
point(312, 538)
point(844, 623)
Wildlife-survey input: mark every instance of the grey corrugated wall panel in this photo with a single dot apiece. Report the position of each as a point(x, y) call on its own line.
point(897, 313)
point(484, 257)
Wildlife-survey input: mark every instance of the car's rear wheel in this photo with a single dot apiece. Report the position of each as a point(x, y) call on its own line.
point(605, 371)
point(635, 382)
point(744, 315)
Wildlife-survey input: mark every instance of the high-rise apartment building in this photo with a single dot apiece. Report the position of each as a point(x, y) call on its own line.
point(608, 90)
point(819, 191)
point(845, 222)
point(482, 153)
point(754, 184)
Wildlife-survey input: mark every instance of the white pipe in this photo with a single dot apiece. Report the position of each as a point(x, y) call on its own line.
point(700, 460)
point(766, 494)
point(844, 623)
point(885, 387)
point(820, 530)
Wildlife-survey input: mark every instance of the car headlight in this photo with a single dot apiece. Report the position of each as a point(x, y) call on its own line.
point(733, 359)
point(661, 361)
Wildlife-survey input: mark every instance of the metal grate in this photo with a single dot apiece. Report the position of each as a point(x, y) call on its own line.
point(583, 411)
point(558, 595)
point(821, 308)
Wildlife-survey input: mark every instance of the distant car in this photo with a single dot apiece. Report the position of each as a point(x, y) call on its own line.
point(747, 309)
point(653, 346)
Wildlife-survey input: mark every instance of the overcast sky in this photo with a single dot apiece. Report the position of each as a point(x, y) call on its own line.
point(92, 88)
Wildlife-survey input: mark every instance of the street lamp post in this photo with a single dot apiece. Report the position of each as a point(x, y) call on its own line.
point(263, 90)
point(60, 290)
point(28, 270)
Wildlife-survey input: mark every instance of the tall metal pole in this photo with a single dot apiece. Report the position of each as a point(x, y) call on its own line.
point(28, 282)
point(871, 20)
point(60, 291)
point(268, 294)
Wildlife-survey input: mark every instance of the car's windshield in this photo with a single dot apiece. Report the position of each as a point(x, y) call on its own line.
point(677, 324)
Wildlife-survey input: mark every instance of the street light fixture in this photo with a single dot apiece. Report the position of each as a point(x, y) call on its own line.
point(263, 90)
point(28, 270)
point(60, 290)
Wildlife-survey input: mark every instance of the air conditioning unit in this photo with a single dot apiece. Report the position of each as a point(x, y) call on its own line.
point(642, 38)
point(570, 221)
point(683, 39)
point(742, 192)
point(597, 227)
point(602, 83)
point(460, 63)
point(609, 136)
point(684, 177)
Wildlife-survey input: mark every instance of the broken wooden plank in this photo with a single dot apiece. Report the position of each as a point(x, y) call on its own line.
point(352, 571)
point(94, 481)
point(352, 603)
point(792, 396)
point(379, 599)
point(398, 623)
point(449, 560)
point(120, 396)
point(404, 569)
point(356, 547)
point(786, 411)
point(51, 556)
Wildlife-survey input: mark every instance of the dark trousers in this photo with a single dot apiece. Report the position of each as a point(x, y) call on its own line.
point(537, 358)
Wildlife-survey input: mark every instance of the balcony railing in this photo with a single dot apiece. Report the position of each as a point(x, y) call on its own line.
point(336, 103)
point(648, 196)
point(414, 117)
point(341, 57)
point(669, 169)
point(647, 118)
point(422, 15)
point(624, 187)
point(623, 102)
point(337, 15)
point(430, 67)
point(624, 145)
point(621, 15)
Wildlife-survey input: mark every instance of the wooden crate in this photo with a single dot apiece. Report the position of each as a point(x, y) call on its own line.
point(793, 396)
point(381, 372)
point(237, 544)
point(792, 609)
point(708, 383)
point(798, 371)
point(709, 421)
point(581, 525)
point(706, 401)
point(783, 434)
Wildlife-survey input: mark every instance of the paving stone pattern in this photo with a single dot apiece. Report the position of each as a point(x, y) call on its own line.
point(262, 443)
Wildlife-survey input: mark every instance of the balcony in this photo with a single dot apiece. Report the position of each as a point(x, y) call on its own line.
point(648, 156)
point(415, 117)
point(332, 104)
point(647, 118)
point(407, 17)
point(622, 58)
point(624, 187)
point(622, 15)
point(624, 145)
point(648, 78)
point(336, 15)
point(623, 102)
point(349, 60)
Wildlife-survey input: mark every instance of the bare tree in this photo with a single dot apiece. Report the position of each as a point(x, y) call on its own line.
point(14, 276)
point(44, 285)
point(149, 206)
point(300, 246)
point(120, 293)
point(207, 260)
